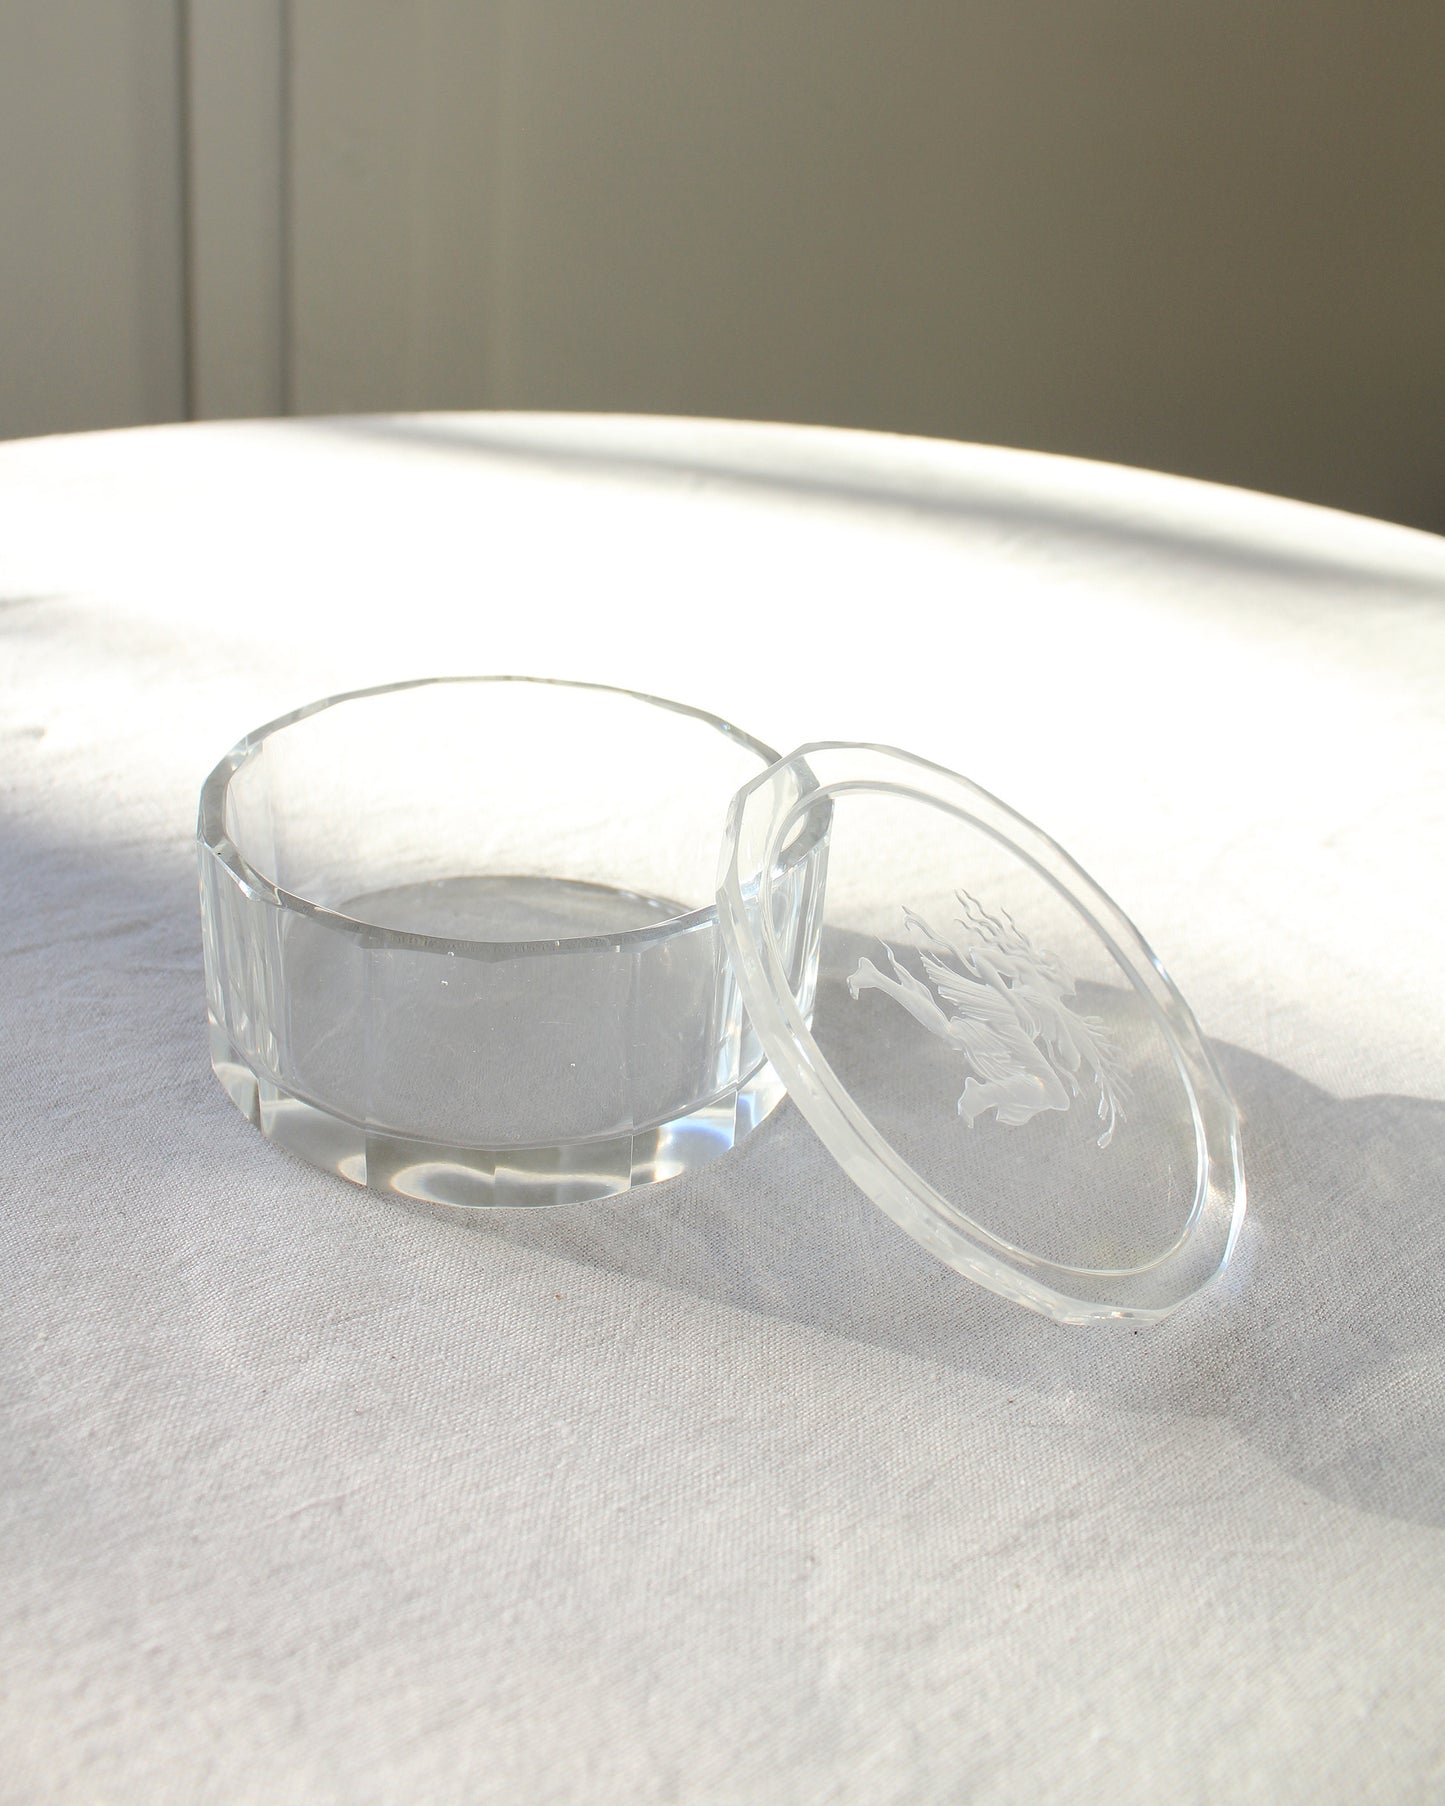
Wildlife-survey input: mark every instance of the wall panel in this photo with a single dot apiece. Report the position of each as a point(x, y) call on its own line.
point(394, 131)
point(1204, 236)
point(236, 118)
point(91, 240)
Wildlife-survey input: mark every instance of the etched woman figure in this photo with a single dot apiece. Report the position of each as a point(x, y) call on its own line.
point(1007, 1014)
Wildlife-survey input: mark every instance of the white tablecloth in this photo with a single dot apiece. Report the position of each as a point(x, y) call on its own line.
point(724, 1492)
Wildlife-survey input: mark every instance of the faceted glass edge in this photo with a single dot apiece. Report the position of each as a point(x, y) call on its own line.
point(1068, 1294)
point(211, 824)
point(245, 915)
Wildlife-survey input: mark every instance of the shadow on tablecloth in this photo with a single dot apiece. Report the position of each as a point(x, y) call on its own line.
point(1324, 1343)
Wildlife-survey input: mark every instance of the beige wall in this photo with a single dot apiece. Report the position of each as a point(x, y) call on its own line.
point(1205, 235)
point(92, 306)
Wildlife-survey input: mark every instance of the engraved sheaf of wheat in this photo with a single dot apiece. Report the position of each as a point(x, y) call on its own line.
point(1003, 1004)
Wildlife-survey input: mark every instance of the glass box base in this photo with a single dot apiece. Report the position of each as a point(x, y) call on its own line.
point(496, 1178)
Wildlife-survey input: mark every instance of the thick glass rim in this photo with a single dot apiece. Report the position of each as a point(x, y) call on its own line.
point(212, 835)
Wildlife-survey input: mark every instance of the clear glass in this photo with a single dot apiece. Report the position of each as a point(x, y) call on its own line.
point(991, 1050)
point(461, 940)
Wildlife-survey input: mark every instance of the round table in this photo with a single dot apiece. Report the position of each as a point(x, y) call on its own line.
point(723, 1492)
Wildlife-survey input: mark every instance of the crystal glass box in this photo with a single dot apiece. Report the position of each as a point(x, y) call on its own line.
point(475, 942)
point(462, 943)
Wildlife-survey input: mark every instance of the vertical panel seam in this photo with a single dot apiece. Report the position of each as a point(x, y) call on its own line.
point(285, 210)
point(185, 107)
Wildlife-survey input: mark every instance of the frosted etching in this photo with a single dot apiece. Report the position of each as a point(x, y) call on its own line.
point(1003, 1004)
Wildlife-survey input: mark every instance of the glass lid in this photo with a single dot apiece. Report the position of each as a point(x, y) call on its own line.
point(993, 1052)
